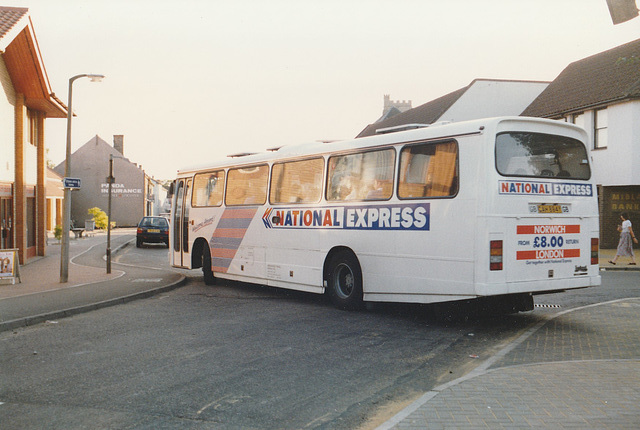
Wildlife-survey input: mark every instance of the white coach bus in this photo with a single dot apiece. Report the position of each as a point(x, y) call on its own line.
point(499, 208)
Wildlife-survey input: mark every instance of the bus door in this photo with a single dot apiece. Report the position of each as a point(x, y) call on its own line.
point(180, 223)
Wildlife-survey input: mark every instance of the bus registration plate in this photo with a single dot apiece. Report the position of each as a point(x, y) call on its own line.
point(549, 209)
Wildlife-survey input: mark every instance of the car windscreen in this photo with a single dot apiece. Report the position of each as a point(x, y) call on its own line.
point(541, 155)
point(154, 222)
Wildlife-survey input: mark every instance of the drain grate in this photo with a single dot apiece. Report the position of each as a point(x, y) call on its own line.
point(541, 305)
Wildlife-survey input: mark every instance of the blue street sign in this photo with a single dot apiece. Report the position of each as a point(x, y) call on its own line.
point(71, 183)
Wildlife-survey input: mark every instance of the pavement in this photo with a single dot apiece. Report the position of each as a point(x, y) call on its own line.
point(575, 369)
point(578, 368)
point(40, 296)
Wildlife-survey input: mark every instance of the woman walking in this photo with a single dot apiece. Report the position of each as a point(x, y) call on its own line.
point(625, 247)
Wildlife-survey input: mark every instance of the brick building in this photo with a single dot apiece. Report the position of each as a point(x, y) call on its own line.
point(27, 100)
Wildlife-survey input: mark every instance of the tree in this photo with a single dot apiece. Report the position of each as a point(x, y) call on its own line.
point(99, 217)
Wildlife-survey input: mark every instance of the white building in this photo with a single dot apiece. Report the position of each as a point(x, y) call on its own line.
point(482, 98)
point(602, 94)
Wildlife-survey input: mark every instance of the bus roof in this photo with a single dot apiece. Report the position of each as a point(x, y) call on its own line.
point(440, 130)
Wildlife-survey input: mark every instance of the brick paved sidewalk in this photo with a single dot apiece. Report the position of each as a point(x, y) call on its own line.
point(581, 369)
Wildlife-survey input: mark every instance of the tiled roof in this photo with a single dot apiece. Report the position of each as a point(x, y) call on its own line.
point(21, 55)
point(601, 79)
point(9, 17)
point(393, 111)
point(427, 113)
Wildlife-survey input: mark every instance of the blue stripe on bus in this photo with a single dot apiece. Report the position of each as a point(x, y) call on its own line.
point(234, 223)
point(221, 262)
point(225, 242)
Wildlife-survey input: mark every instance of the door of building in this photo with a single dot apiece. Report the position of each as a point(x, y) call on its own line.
point(6, 223)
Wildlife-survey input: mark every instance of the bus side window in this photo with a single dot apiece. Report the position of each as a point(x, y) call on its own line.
point(247, 185)
point(297, 181)
point(428, 170)
point(361, 176)
point(207, 189)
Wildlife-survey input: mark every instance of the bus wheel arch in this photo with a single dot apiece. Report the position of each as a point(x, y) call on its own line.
point(343, 278)
point(201, 257)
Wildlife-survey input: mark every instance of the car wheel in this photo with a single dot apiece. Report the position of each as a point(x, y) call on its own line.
point(138, 243)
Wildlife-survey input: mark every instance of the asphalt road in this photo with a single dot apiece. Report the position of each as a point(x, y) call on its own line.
point(241, 356)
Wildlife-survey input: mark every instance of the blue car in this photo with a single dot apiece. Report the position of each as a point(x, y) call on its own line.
point(153, 229)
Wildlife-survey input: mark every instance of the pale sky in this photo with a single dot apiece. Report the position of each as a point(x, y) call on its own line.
point(192, 81)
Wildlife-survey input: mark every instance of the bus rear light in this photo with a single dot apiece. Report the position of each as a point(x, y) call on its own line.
point(495, 255)
point(595, 242)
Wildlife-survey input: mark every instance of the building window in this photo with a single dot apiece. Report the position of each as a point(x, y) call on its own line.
point(31, 222)
point(600, 139)
point(32, 127)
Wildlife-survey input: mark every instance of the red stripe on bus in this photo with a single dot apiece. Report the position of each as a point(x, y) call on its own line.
point(223, 253)
point(239, 213)
point(236, 233)
point(548, 229)
point(547, 254)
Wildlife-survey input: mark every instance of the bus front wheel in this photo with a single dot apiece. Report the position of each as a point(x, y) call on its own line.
point(209, 279)
point(344, 281)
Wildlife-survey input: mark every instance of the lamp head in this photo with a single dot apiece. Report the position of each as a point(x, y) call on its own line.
point(95, 78)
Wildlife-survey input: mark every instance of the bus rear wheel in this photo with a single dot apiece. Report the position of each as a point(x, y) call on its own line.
point(344, 281)
point(207, 272)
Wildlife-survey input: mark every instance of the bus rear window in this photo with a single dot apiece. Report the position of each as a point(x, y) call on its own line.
point(541, 156)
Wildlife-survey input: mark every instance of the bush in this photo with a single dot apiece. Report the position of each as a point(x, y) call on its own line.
point(57, 232)
point(99, 217)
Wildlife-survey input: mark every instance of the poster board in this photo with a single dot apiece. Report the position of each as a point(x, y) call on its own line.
point(9, 266)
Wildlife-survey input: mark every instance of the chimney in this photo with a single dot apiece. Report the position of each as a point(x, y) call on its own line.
point(118, 143)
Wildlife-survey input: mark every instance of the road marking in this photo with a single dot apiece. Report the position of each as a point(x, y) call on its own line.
point(151, 280)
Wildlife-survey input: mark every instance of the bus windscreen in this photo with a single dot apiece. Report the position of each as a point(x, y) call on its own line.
point(541, 155)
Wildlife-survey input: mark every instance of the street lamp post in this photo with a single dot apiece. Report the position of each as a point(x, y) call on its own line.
point(66, 216)
point(110, 180)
